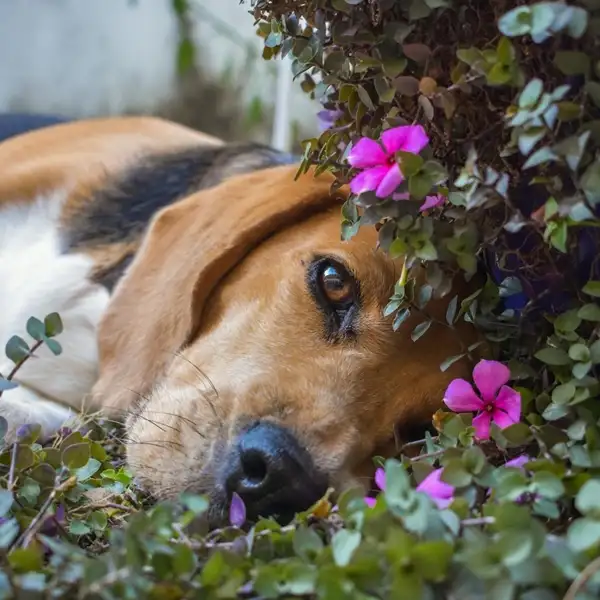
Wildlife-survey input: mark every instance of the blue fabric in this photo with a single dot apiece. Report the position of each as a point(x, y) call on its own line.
point(12, 124)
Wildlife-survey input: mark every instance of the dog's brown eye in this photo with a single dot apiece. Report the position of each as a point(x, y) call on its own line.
point(337, 284)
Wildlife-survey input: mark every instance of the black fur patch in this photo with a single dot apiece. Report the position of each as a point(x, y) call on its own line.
point(121, 211)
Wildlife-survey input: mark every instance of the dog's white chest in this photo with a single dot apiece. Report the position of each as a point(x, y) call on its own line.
point(36, 279)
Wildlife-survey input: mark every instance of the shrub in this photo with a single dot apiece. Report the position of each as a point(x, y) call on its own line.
point(501, 179)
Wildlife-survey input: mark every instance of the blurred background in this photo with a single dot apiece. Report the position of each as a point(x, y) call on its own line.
point(198, 62)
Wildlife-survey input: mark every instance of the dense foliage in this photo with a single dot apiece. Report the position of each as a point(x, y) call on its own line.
point(491, 110)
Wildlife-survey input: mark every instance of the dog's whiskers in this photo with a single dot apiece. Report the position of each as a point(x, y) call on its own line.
point(204, 379)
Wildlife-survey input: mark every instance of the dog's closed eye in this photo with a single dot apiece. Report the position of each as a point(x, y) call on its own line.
point(336, 293)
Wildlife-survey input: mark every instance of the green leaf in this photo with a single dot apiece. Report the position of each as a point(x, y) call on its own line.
point(88, 470)
point(455, 474)
point(583, 534)
point(587, 501)
point(432, 559)
point(571, 62)
point(364, 97)
point(592, 288)
point(25, 560)
point(446, 364)
point(593, 90)
point(343, 544)
point(6, 502)
point(197, 504)
point(543, 155)
point(579, 352)
point(79, 528)
point(595, 352)
point(35, 328)
point(76, 456)
point(514, 546)
point(515, 22)
point(53, 325)
point(548, 485)
point(553, 356)
point(451, 310)
point(531, 93)
point(400, 318)
point(307, 543)
point(563, 393)
point(420, 330)
point(410, 164)
point(98, 520)
point(16, 349)
point(590, 312)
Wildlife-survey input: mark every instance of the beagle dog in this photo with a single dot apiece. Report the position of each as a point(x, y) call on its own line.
point(209, 303)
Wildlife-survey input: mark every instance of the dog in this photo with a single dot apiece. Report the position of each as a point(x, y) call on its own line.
point(210, 304)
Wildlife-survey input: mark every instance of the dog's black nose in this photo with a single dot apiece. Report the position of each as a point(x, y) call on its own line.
point(272, 473)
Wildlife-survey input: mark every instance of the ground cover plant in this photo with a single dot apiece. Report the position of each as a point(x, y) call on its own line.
point(469, 135)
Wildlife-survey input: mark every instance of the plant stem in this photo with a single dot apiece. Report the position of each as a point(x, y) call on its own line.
point(582, 579)
point(18, 365)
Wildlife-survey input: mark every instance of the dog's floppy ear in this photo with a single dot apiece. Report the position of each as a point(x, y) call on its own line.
point(189, 247)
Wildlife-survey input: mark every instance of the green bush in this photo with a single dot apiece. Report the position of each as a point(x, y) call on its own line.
point(493, 111)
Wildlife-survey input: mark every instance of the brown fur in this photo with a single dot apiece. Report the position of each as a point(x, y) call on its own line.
point(213, 325)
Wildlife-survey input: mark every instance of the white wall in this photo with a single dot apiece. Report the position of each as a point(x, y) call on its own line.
point(88, 57)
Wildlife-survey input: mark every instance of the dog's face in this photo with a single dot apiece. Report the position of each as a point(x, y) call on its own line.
point(291, 381)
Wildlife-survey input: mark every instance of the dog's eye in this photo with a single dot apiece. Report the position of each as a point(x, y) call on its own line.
point(337, 284)
point(336, 292)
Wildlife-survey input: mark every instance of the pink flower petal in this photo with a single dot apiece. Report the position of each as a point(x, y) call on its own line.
point(443, 503)
point(368, 180)
point(380, 478)
point(502, 419)
point(366, 153)
point(237, 511)
point(401, 196)
point(390, 182)
point(518, 461)
point(509, 401)
point(489, 376)
point(439, 491)
point(432, 202)
point(482, 424)
point(408, 138)
point(370, 502)
point(460, 397)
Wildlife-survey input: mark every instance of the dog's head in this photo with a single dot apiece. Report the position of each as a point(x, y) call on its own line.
point(254, 343)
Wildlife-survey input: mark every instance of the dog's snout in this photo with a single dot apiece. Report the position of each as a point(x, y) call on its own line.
point(273, 473)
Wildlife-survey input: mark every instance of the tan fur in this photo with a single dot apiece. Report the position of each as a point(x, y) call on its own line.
point(251, 339)
point(213, 325)
point(80, 156)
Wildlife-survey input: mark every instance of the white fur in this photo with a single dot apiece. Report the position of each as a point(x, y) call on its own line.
point(36, 279)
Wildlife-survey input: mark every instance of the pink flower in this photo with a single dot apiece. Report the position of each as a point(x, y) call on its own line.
point(237, 511)
point(439, 491)
point(380, 483)
point(498, 404)
point(432, 202)
point(518, 462)
point(381, 172)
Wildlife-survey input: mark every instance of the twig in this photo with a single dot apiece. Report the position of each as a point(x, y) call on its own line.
point(31, 530)
point(19, 364)
point(478, 521)
point(582, 579)
point(417, 443)
point(428, 455)
point(13, 463)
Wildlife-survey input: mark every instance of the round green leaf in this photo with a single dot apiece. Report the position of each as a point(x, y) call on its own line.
point(76, 456)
